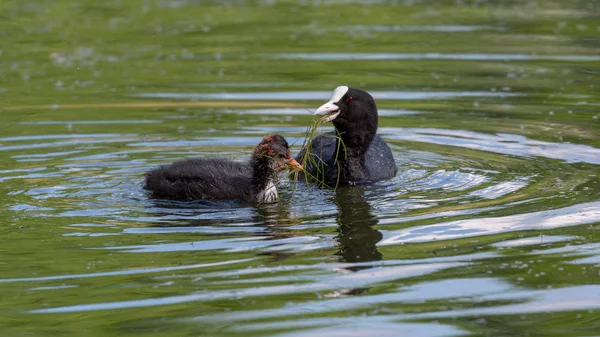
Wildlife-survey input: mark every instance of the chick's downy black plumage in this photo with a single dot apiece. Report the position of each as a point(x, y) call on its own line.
point(362, 156)
point(223, 179)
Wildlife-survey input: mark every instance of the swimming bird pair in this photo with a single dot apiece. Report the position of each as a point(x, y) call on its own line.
point(350, 155)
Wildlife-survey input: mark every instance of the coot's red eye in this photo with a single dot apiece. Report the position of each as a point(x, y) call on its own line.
point(349, 99)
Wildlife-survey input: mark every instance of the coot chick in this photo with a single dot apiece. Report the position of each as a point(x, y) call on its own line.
point(223, 179)
point(362, 156)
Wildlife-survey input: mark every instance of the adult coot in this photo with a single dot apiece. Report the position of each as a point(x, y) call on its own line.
point(362, 156)
point(223, 179)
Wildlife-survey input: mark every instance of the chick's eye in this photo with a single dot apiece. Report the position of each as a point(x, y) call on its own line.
point(349, 99)
point(281, 156)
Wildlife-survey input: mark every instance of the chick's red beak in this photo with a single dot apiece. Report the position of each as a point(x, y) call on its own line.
point(292, 164)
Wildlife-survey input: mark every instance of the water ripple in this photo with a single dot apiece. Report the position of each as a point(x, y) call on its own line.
point(435, 56)
point(321, 95)
point(358, 279)
point(584, 213)
point(499, 143)
point(121, 272)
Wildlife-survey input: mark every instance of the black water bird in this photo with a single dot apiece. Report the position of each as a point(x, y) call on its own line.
point(219, 179)
point(361, 156)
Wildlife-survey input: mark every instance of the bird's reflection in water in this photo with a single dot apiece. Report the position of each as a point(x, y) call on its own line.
point(276, 218)
point(207, 213)
point(271, 220)
point(356, 237)
point(275, 214)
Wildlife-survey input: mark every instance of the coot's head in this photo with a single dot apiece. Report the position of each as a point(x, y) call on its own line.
point(275, 148)
point(353, 113)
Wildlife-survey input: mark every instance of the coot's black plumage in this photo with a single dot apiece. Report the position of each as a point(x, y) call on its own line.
point(363, 156)
point(222, 179)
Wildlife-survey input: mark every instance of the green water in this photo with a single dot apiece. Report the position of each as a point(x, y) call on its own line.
point(490, 227)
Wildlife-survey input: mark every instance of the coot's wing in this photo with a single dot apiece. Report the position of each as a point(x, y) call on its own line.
point(320, 162)
point(380, 161)
point(322, 148)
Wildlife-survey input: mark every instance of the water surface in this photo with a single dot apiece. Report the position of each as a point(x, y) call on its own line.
point(490, 227)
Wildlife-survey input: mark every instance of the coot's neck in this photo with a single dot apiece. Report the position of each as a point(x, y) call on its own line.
point(262, 171)
point(351, 162)
point(355, 141)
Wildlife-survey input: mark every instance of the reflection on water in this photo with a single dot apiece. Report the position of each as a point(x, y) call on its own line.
point(585, 213)
point(419, 28)
point(357, 239)
point(91, 122)
point(437, 56)
point(318, 95)
point(304, 112)
point(500, 143)
point(445, 289)
point(117, 273)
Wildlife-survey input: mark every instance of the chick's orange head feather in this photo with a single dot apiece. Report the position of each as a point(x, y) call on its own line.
point(272, 145)
point(265, 150)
